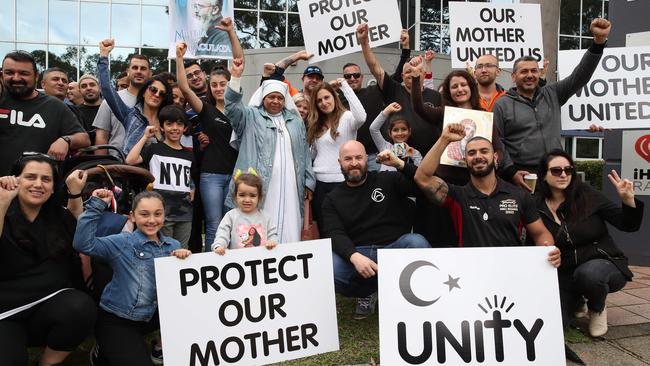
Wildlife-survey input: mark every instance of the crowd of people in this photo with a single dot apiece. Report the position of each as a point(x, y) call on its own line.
point(232, 174)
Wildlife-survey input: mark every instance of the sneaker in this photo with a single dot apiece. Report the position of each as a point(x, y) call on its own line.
point(582, 311)
point(156, 354)
point(93, 356)
point(365, 306)
point(598, 323)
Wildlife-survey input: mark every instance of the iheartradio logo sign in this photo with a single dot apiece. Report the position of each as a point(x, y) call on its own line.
point(642, 147)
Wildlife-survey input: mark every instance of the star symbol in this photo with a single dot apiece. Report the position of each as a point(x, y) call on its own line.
point(452, 282)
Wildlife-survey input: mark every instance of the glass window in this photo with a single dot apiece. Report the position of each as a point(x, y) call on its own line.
point(7, 18)
point(156, 2)
point(246, 4)
point(430, 37)
point(246, 22)
point(272, 29)
point(293, 5)
point(63, 22)
point(125, 25)
point(445, 40)
point(273, 4)
point(38, 51)
point(158, 59)
point(570, 17)
point(591, 9)
point(430, 11)
point(32, 20)
point(569, 43)
point(294, 37)
point(587, 148)
point(120, 59)
point(95, 24)
point(66, 58)
point(586, 42)
point(155, 26)
point(88, 57)
point(126, 1)
point(6, 47)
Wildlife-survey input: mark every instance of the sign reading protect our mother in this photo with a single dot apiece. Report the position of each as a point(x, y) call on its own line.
point(469, 306)
point(252, 306)
point(616, 96)
point(506, 31)
point(329, 26)
point(195, 23)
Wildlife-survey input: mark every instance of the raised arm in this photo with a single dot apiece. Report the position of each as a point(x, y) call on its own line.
point(433, 115)
point(434, 188)
point(120, 110)
point(371, 60)
point(358, 112)
point(404, 41)
point(236, 110)
point(226, 24)
point(135, 155)
point(9, 186)
point(85, 238)
point(75, 183)
point(375, 127)
point(195, 102)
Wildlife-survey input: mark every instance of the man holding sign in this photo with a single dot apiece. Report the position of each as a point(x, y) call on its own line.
point(529, 116)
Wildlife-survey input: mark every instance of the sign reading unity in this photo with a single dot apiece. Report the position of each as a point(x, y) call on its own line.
point(635, 162)
point(329, 26)
point(616, 96)
point(194, 22)
point(507, 31)
point(476, 123)
point(250, 306)
point(469, 306)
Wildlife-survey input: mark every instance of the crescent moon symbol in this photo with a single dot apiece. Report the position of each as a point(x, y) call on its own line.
point(405, 283)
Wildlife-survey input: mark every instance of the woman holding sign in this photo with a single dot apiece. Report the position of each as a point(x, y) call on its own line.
point(273, 143)
point(592, 265)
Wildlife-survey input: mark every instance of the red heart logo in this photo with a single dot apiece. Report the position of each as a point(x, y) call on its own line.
point(642, 147)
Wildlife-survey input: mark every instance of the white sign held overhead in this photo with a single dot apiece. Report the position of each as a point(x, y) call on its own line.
point(635, 160)
point(507, 31)
point(329, 26)
point(616, 96)
point(469, 306)
point(251, 306)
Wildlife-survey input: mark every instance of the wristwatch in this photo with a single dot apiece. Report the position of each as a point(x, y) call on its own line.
point(66, 139)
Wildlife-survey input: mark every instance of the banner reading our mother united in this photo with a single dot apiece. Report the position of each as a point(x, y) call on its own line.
point(329, 26)
point(251, 306)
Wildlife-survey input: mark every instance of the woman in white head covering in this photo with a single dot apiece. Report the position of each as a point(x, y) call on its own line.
point(272, 140)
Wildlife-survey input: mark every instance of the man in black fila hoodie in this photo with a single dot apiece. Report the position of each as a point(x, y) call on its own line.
point(369, 211)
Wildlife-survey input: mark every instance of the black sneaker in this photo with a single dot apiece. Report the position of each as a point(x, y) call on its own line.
point(365, 306)
point(156, 354)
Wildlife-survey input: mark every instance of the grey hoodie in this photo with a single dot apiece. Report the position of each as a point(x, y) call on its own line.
point(531, 128)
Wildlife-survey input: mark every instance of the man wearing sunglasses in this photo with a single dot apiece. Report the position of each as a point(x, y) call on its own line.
point(528, 116)
point(30, 120)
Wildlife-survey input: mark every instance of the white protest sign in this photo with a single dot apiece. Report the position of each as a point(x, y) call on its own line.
point(616, 96)
point(251, 306)
point(329, 26)
point(469, 306)
point(194, 22)
point(476, 123)
point(507, 31)
point(635, 160)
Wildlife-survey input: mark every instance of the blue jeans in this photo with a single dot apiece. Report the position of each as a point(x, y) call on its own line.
point(593, 279)
point(214, 190)
point(348, 282)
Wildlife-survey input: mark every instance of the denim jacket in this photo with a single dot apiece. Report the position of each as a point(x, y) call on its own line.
point(131, 294)
point(132, 119)
point(256, 133)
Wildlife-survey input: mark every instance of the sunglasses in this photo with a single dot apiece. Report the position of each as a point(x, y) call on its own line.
point(158, 92)
point(556, 171)
point(355, 75)
point(34, 154)
point(195, 74)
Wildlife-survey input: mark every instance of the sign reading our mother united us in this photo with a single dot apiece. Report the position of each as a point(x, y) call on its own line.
point(251, 306)
point(469, 306)
point(506, 31)
point(329, 26)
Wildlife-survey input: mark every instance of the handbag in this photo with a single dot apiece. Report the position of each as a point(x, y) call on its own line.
point(309, 226)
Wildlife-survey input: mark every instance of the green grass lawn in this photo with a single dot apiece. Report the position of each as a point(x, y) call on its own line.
point(359, 341)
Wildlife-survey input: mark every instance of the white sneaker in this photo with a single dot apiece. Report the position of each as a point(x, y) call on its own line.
point(582, 312)
point(598, 323)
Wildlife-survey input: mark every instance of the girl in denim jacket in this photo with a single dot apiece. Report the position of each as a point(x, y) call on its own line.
point(128, 306)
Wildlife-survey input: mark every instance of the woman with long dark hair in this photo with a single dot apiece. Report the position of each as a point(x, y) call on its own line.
point(576, 214)
point(39, 270)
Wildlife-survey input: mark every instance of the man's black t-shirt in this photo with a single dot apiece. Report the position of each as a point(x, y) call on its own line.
point(87, 115)
point(423, 133)
point(171, 170)
point(494, 220)
point(377, 212)
point(218, 157)
point(32, 125)
point(373, 103)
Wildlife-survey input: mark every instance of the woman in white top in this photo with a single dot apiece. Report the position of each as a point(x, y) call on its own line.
point(330, 125)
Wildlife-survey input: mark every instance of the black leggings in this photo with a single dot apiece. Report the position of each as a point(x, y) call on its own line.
point(121, 341)
point(60, 323)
